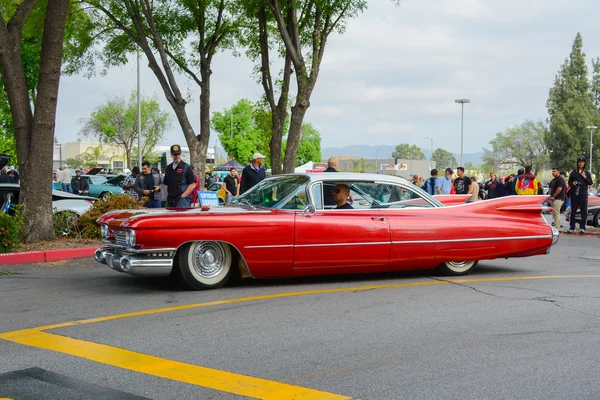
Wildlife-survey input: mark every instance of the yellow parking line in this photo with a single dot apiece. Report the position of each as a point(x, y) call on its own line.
point(201, 376)
point(229, 382)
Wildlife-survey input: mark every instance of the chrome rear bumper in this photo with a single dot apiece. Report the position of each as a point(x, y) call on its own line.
point(152, 262)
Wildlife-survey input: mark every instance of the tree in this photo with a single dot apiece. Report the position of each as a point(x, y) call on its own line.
point(162, 29)
point(309, 148)
point(33, 114)
point(259, 40)
point(443, 159)
point(117, 122)
point(304, 27)
point(239, 132)
point(570, 109)
point(404, 151)
point(519, 146)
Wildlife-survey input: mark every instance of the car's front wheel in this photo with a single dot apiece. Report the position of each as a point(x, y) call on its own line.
point(204, 264)
point(455, 268)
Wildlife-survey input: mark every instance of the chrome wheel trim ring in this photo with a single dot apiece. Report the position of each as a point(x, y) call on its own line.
point(208, 259)
point(460, 266)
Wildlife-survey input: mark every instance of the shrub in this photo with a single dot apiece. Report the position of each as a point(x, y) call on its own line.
point(66, 223)
point(89, 228)
point(10, 229)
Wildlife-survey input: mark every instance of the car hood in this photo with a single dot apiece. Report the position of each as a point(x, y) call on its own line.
point(136, 215)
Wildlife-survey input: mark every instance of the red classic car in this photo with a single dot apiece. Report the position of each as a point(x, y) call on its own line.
point(286, 226)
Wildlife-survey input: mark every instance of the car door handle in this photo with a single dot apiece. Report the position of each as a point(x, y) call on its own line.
point(382, 219)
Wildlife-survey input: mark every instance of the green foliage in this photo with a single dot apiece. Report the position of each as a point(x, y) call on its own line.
point(116, 122)
point(241, 130)
point(361, 165)
point(11, 229)
point(66, 223)
point(31, 47)
point(88, 227)
point(404, 151)
point(570, 109)
point(309, 148)
point(519, 146)
point(245, 128)
point(444, 159)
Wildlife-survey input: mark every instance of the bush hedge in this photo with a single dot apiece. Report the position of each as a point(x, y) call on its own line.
point(89, 228)
point(10, 232)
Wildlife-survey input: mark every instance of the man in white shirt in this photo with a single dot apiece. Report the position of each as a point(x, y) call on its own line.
point(65, 177)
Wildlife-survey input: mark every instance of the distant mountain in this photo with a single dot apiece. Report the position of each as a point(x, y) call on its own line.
point(371, 152)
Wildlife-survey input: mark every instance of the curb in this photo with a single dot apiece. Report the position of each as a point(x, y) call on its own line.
point(576, 233)
point(45, 256)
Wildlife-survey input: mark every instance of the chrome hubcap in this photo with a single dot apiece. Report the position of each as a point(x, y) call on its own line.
point(458, 264)
point(209, 258)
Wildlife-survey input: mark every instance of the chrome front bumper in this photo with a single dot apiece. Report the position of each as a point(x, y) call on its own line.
point(151, 262)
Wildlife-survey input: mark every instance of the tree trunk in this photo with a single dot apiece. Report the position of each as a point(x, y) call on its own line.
point(204, 136)
point(298, 112)
point(128, 156)
point(276, 142)
point(35, 135)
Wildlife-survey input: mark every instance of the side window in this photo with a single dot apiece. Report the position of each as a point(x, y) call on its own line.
point(317, 194)
point(404, 197)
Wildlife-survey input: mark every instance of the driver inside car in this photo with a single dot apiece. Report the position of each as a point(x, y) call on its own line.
point(341, 193)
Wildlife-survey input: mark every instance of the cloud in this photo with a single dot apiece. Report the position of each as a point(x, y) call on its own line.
point(388, 128)
point(395, 73)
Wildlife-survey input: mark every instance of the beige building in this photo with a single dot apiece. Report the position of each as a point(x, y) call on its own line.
point(106, 155)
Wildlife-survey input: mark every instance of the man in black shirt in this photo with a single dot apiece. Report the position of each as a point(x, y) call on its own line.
point(147, 184)
point(231, 184)
point(253, 173)
point(462, 184)
point(340, 194)
point(79, 185)
point(557, 195)
point(179, 180)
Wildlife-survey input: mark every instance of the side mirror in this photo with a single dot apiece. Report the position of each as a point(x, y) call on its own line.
point(309, 209)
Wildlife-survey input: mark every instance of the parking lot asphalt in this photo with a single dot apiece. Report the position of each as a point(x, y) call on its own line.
point(519, 328)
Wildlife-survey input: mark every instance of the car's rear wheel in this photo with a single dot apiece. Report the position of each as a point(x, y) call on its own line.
point(455, 268)
point(204, 264)
point(596, 221)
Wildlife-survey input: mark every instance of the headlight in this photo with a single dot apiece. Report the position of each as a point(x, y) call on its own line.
point(104, 230)
point(130, 237)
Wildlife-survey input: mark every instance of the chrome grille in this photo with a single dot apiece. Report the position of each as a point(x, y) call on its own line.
point(120, 238)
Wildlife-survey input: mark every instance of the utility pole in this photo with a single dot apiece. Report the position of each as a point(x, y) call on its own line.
point(591, 128)
point(431, 156)
point(139, 112)
point(462, 113)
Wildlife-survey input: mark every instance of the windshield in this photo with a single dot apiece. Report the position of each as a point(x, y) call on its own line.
point(285, 192)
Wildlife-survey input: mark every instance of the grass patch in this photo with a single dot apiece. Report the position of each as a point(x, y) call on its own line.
point(8, 273)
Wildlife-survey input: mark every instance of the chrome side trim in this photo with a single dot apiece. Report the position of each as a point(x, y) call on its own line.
point(405, 242)
point(269, 246)
point(475, 240)
point(344, 244)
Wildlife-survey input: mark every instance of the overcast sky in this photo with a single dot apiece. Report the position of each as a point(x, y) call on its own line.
point(394, 75)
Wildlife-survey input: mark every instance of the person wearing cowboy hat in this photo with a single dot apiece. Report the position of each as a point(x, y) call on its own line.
point(179, 180)
point(253, 173)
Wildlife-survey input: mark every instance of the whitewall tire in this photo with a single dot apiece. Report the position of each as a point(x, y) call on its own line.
point(455, 268)
point(204, 264)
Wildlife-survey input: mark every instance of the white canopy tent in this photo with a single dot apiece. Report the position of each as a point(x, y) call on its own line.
point(305, 167)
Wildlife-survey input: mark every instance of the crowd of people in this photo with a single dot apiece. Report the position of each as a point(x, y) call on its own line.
point(562, 192)
point(9, 175)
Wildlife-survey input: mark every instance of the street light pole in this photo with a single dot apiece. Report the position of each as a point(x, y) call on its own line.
point(462, 112)
point(377, 160)
point(431, 156)
point(591, 128)
point(139, 113)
